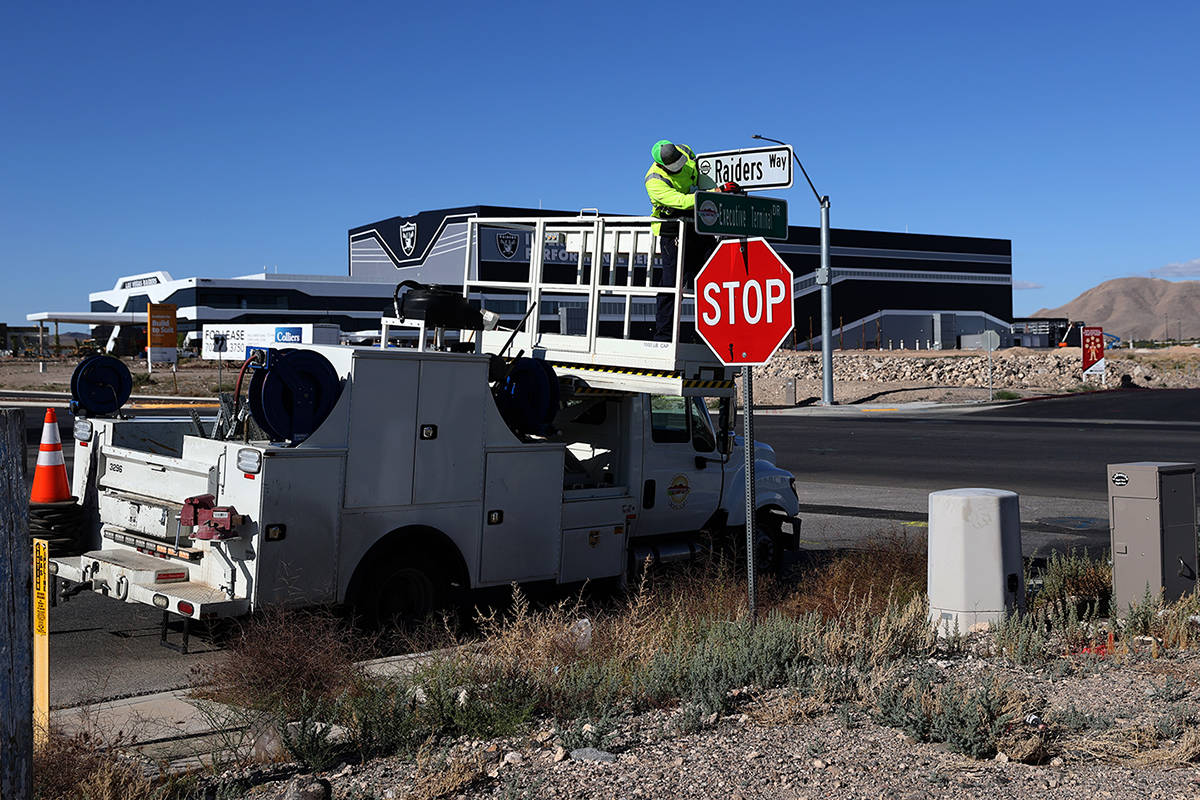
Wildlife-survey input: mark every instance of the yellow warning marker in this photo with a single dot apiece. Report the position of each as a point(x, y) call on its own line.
point(41, 642)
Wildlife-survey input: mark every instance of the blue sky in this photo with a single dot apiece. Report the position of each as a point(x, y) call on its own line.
point(213, 139)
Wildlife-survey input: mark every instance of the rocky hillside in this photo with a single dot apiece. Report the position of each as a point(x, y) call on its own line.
point(1137, 308)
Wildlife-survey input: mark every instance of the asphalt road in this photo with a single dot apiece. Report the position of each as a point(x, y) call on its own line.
point(854, 466)
point(1058, 447)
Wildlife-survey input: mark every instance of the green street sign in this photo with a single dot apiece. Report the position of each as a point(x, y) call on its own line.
point(741, 215)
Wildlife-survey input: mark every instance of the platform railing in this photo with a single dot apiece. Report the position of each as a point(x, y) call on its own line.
point(613, 257)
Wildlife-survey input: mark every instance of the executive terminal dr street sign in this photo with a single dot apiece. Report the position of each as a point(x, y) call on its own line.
point(722, 214)
point(744, 308)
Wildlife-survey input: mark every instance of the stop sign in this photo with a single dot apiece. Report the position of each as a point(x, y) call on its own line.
point(744, 305)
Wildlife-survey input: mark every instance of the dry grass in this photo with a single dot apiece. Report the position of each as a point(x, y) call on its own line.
point(887, 569)
point(441, 775)
point(83, 765)
point(282, 654)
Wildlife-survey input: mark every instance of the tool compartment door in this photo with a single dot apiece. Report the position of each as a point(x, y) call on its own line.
point(522, 514)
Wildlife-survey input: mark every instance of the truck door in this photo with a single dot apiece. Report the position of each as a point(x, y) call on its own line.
point(677, 495)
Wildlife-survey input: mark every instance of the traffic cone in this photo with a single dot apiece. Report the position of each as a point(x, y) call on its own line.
point(50, 484)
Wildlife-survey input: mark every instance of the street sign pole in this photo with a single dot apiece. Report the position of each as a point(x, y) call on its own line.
point(751, 499)
point(744, 311)
point(825, 278)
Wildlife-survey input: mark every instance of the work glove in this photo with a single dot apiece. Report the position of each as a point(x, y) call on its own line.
point(728, 188)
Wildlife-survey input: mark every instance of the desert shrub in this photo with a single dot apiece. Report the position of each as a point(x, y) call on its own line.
point(887, 569)
point(381, 717)
point(283, 654)
point(1073, 720)
point(1141, 615)
point(462, 697)
point(971, 722)
point(909, 703)
point(968, 720)
point(1073, 579)
point(306, 732)
point(589, 732)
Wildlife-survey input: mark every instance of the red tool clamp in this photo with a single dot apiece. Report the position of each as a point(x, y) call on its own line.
point(209, 520)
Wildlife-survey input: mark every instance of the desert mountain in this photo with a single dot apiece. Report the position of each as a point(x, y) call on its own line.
point(1139, 308)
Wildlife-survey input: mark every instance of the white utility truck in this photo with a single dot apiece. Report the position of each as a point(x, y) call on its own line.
point(388, 477)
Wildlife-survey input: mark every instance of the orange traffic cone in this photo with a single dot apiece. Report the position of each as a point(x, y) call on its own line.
point(50, 484)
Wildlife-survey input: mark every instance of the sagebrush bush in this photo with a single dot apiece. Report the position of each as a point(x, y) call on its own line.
point(1074, 578)
point(970, 720)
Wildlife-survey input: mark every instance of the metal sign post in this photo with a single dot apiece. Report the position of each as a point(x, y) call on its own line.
point(751, 499)
point(744, 312)
point(991, 340)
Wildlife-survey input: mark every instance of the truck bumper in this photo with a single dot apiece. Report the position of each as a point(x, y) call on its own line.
point(135, 578)
point(788, 528)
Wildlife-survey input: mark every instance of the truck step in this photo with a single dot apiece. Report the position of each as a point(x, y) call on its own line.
point(141, 569)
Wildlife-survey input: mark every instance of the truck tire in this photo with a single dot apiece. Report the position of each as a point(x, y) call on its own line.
point(396, 596)
point(768, 550)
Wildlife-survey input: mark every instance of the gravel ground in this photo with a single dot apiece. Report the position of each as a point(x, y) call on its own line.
point(775, 746)
point(862, 376)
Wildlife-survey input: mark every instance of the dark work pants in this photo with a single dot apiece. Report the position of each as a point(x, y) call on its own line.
point(664, 312)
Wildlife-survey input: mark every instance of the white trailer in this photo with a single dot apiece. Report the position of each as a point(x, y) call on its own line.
point(405, 474)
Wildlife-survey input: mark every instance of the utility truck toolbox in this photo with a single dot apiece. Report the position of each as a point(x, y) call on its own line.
point(386, 478)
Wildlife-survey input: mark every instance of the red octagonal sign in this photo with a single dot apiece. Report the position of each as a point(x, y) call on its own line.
point(744, 307)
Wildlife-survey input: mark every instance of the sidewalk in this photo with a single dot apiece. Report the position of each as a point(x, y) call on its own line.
point(186, 733)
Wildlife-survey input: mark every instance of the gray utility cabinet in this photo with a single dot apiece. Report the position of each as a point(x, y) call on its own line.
point(1152, 516)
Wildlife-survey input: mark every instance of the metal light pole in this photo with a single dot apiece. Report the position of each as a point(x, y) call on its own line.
point(824, 280)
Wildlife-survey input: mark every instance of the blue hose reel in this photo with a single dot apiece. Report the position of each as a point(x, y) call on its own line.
point(527, 397)
point(100, 385)
point(293, 394)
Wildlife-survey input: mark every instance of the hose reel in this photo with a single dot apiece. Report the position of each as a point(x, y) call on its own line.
point(100, 385)
point(527, 397)
point(293, 393)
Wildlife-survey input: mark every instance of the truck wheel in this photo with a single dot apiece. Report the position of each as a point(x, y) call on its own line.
point(768, 553)
point(396, 596)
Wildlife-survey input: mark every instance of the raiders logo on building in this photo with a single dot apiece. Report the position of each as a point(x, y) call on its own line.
point(408, 237)
point(506, 242)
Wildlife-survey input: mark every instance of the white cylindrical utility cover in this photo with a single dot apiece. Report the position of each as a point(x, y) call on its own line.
point(975, 574)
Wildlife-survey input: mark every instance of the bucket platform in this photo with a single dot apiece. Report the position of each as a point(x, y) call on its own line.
point(580, 293)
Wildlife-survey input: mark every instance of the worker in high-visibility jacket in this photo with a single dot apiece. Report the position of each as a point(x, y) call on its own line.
point(671, 183)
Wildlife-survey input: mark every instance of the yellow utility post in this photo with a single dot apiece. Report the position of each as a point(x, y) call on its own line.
point(41, 641)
